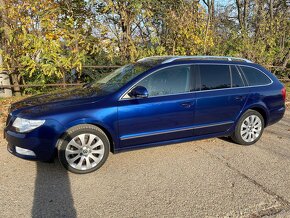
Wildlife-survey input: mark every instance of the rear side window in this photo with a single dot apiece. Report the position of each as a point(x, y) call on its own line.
point(255, 77)
point(214, 77)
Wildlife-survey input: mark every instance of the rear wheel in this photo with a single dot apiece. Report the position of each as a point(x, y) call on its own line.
point(249, 128)
point(83, 149)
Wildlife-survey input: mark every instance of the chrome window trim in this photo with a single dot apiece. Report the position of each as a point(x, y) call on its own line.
point(176, 130)
point(196, 91)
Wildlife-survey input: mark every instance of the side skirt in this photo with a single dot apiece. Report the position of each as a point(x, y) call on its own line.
point(175, 141)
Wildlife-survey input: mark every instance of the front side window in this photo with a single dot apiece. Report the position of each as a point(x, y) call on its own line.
point(255, 77)
point(214, 77)
point(168, 81)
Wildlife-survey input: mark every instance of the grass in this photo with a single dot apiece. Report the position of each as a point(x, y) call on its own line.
point(287, 85)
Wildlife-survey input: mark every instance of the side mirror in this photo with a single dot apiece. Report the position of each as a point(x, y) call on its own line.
point(138, 92)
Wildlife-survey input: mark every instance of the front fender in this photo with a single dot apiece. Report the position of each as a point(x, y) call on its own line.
point(111, 130)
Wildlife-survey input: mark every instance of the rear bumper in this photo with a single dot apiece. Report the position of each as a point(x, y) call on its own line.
point(276, 115)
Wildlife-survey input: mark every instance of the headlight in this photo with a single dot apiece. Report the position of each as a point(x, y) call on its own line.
point(24, 125)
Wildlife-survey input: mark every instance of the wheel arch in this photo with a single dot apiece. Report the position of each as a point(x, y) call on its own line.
point(260, 109)
point(109, 133)
point(263, 113)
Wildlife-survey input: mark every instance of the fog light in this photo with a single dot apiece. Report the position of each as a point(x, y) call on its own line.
point(24, 151)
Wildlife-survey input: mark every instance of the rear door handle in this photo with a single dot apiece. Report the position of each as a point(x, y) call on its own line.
point(187, 104)
point(240, 98)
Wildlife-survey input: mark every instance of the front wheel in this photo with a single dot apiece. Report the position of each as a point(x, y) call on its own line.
point(83, 149)
point(249, 128)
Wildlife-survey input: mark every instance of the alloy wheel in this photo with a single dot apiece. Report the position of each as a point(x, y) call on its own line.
point(84, 151)
point(251, 128)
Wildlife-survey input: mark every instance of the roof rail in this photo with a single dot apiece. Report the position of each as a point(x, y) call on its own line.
point(156, 57)
point(174, 58)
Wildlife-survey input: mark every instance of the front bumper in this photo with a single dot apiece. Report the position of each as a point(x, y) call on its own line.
point(12, 149)
point(40, 141)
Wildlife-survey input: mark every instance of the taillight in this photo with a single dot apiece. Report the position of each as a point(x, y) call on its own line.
point(283, 91)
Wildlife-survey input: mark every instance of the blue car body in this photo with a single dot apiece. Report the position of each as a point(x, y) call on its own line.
point(145, 122)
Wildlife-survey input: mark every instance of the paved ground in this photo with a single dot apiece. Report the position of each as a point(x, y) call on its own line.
point(198, 179)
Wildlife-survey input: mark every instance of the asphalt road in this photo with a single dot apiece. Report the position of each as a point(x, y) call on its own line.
point(209, 178)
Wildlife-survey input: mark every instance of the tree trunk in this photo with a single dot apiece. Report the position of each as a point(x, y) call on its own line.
point(271, 9)
point(15, 82)
point(240, 16)
point(212, 11)
point(245, 17)
point(286, 60)
point(210, 18)
point(2, 25)
point(271, 15)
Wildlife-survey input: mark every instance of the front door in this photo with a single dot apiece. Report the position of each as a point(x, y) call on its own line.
point(168, 112)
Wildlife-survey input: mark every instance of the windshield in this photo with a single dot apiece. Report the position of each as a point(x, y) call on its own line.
point(120, 77)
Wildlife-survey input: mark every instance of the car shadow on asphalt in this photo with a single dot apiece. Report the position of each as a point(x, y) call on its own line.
point(227, 139)
point(52, 193)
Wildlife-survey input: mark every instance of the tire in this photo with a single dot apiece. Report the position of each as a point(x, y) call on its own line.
point(249, 128)
point(83, 149)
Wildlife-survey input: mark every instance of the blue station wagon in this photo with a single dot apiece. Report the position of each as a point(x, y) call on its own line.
point(155, 101)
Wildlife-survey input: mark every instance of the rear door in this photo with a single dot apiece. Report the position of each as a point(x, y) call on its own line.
point(165, 115)
point(220, 98)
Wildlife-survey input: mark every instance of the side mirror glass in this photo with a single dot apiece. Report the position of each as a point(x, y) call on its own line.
point(138, 92)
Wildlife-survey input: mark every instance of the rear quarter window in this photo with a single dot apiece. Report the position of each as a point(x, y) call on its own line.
point(255, 77)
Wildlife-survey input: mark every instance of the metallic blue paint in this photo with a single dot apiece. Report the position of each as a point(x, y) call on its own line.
point(144, 122)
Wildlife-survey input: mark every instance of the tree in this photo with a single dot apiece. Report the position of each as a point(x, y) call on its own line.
point(49, 40)
point(43, 40)
point(142, 28)
point(256, 30)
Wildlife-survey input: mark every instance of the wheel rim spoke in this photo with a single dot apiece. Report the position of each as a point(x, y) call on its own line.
point(82, 139)
point(244, 131)
point(244, 126)
point(97, 144)
point(76, 145)
point(250, 119)
point(252, 136)
point(95, 159)
point(72, 160)
point(88, 163)
point(91, 139)
point(72, 151)
point(98, 151)
point(80, 163)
